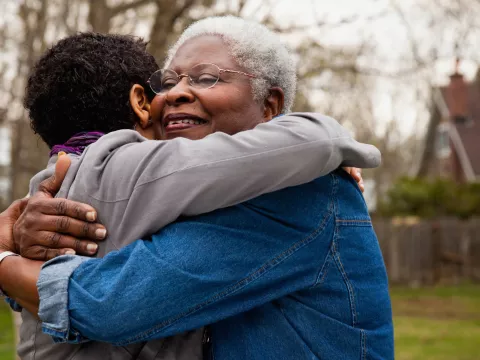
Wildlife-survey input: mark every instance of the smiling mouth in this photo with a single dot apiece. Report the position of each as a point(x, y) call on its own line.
point(182, 123)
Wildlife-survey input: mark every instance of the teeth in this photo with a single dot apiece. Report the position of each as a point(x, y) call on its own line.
point(191, 122)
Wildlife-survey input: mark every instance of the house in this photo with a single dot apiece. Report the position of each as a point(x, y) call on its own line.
point(452, 145)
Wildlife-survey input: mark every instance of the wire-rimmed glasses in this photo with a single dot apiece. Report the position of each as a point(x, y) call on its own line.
point(201, 76)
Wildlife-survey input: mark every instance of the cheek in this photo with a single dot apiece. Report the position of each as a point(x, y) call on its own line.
point(233, 110)
point(156, 107)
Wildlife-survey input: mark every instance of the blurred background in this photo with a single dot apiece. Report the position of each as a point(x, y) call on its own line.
point(400, 74)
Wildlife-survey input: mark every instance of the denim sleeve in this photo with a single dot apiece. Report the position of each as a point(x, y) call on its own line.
point(13, 305)
point(184, 278)
point(52, 287)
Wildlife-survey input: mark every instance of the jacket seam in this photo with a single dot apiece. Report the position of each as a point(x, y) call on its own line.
point(322, 274)
point(262, 270)
point(326, 262)
point(364, 344)
point(351, 294)
point(338, 261)
point(353, 221)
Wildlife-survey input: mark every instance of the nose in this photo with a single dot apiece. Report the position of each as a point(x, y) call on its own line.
point(180, 93)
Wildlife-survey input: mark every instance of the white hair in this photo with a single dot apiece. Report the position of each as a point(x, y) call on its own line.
point(255, 48)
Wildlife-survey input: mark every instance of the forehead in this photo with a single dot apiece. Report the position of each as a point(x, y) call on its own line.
point(203, 49)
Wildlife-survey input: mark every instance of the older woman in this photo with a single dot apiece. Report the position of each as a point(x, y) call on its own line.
point(127, 177)
point(289, 275)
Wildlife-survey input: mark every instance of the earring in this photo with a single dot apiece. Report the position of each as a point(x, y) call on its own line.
point(150, 121)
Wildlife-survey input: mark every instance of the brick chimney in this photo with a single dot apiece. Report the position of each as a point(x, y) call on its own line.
point(457, 94)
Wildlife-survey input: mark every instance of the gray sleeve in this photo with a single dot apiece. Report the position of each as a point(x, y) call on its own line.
point(157, 181)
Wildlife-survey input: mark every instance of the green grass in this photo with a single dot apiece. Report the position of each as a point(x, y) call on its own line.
point(441, 323)
point(6, 333)
point(419, 338)
point(437, 323)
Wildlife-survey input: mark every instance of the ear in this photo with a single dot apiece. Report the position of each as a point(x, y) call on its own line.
point(141, 107)
point(273, 104)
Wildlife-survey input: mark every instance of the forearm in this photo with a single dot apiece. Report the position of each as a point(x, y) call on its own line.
point(18, 278)
point(171, 284)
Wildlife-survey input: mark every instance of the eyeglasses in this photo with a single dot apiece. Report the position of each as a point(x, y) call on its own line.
point(201, 76)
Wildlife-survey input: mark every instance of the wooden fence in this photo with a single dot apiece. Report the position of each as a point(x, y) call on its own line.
point(421, 252)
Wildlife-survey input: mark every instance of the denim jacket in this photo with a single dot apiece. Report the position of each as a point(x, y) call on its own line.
point(294, 274)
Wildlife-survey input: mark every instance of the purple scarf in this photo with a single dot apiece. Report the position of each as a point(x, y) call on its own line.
point(77, 143)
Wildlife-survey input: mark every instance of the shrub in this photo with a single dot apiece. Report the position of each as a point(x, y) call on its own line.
point(431, 198)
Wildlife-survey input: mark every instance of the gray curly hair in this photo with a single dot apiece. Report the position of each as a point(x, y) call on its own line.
point(254, 47)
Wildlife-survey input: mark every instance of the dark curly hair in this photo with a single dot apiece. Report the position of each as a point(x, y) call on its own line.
point(82, 84)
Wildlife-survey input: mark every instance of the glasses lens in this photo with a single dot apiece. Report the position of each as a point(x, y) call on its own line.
point(169, 80)
point(163, 80)
point(204, 76)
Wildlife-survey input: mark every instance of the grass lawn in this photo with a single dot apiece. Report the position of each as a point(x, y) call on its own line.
point(6, 333)
point(430, 324)
point(437, 323)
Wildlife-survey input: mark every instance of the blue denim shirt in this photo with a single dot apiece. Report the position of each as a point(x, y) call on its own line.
point(295, 274)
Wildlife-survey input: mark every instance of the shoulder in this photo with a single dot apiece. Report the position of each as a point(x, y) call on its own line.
point(302, 206)
point(115, 146)
point(111, 141)
point(349, 200)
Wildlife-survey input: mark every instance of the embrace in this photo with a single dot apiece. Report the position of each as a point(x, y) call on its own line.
point(186, 213)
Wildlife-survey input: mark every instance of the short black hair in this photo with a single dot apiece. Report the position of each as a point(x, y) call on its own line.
point(82, 83)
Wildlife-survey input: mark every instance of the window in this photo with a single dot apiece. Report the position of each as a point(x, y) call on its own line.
point(442, 141)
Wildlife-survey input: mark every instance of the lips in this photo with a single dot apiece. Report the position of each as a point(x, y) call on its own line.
point(181, 121)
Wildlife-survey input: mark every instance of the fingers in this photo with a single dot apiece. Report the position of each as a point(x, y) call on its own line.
point(76, 228)
point(28, 229)
point(64, 207)
point(358, 177)
point(361, 186)
point(52, 185)
point(56, 241)
point(41, 253)
point(356, 173)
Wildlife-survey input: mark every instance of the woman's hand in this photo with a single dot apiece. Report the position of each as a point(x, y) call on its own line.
point(50, 227)
point(356, 173)
point(7, 221)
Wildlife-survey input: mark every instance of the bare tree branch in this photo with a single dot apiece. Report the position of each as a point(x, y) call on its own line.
point(324, 23)
point(121, 8)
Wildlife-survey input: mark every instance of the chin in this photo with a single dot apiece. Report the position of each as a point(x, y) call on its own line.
point(192, 134)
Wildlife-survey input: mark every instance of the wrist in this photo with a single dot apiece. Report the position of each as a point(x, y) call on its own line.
point(4, 255)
